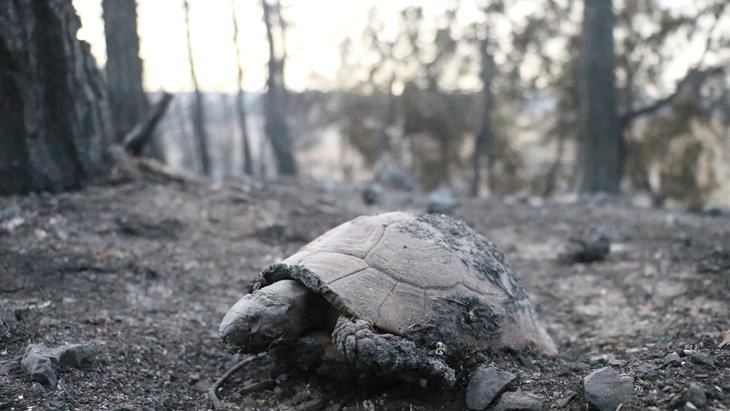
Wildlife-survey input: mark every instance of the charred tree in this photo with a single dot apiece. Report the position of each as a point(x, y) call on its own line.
point(482, 159)
point(600, 135)
point(124, 73)
point(275, 100)
point(54, 120)
point(241, 98)
point(200, 133)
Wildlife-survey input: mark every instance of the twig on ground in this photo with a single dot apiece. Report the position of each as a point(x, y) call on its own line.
point(217, 404)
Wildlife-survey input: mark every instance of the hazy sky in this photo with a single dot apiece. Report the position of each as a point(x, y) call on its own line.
point(313, 41)
point(317, 30)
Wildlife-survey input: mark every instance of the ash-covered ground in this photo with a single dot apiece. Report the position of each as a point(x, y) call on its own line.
point(142, 274)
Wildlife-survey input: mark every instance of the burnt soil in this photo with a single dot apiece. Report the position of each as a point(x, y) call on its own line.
point(144, 272)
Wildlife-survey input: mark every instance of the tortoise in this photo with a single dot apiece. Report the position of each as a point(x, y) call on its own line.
point(399, 293)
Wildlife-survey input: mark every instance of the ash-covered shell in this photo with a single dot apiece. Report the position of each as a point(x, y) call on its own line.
point(427, 277)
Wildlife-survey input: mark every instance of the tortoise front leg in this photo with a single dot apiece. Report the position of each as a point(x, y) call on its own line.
point(367, 349)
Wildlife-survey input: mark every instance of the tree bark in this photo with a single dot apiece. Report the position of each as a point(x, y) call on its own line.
point(124, 72)
point(198, 110)
point(482, 158)
point(241, 99)
point(600, 156)
point(54, 117)
point(275, 100)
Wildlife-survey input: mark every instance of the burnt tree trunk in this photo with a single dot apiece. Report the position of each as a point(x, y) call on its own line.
point(600, 140)
point(54, 120)
point(127, 99)
point(388, 119)
point(241, 99)
point(482, 158)
point(275, 100)
point(198, 110)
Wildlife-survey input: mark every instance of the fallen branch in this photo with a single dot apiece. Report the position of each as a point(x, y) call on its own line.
point(217, 404)
point(137, 138)
point(155, 167)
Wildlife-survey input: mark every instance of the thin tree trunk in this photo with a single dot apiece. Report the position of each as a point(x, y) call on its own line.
point(276, 128)
point(55, 128)
point(482, 157)
point(124, 72)
point(241, 98)
point(388, 119)
point(551, 180)
point(600, 141)
point(198, 109)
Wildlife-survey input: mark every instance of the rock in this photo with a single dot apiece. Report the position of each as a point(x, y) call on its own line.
point(519, 401)
point(647, 372)
point(672, 359)
point(700, 358)
point(311, 405)
point(588, 247)
point(38, 361)
point(395, 177)
point(10, 366)
point(606, 389)
point(563, 402)
point(617, 363)
point(696, 395)
point(441, 201)
point(601, 359)
point(578, 366)
point(76, 356)
point(42, 362)
point(372, 194)
point(485, 385)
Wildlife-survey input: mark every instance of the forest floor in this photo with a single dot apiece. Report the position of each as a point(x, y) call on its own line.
point(143, 273)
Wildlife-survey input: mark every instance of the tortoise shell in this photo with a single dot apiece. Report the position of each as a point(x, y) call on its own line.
point(429, 278)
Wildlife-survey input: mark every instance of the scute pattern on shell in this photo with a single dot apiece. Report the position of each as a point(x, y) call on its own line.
point(427, 277)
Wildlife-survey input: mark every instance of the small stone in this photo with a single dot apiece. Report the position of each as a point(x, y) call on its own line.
point(696, 395)
point(62, 235)
point(372, 194)
point(606, 389)
point(201, 386)
point(8, 367)
point(519, 401)
point(672, 359)
point(38, 362)
point(601, 358)
point(311, 405)
point(702, 359)
point(647, 372)
point(485, 385)
point(76, 356)
point(441, 201)
point(588, 247)
point(616, 362)
point(335, 406)
point(578, 366)
point(563, 402)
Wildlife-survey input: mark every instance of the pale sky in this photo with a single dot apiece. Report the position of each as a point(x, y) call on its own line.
point(316, 32)
point(314, 37)
point(313, 41)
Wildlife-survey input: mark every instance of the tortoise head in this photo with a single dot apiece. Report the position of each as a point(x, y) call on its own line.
point(267, 315)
